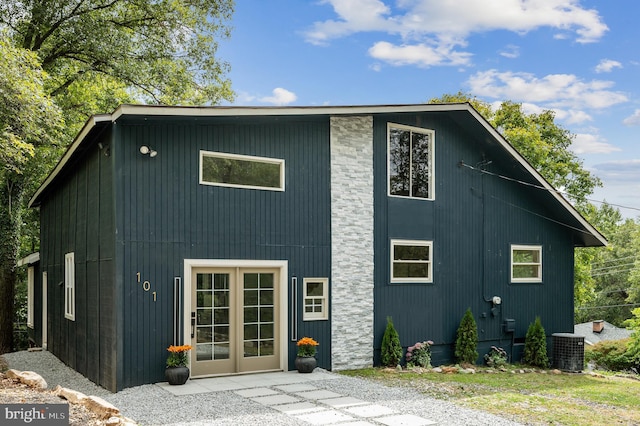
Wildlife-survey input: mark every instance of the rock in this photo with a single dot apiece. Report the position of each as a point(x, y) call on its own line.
point(437, 370)
point(70, 395)
point(113, 421)
point(100, 407)
point(29, 378)
point(556, 371)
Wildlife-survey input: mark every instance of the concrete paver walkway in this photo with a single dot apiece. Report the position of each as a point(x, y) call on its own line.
point(294, 394)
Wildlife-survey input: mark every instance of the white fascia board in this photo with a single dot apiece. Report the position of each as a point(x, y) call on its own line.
point(543, 182)
point(218, 111)
point(30, 259)
point(89, 125)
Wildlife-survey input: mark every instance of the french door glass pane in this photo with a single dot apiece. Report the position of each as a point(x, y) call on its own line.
point(212, 317)
point(259, 327)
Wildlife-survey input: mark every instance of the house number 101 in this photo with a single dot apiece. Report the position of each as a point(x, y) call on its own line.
point(146, 286)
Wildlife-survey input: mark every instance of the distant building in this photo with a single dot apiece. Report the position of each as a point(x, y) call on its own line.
point(599, 331)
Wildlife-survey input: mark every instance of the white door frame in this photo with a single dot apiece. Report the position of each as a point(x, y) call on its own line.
point(282, 265)
point(44, 310)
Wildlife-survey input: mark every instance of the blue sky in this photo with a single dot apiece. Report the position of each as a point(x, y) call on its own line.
point(578, 58)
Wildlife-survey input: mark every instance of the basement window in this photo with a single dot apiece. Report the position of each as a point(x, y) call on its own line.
point(410, 151)
point(241, 171)
point(69, 287)
point(411, 261)
point(526, 264)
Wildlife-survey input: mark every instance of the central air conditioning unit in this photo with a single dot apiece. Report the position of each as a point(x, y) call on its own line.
point(568, 352)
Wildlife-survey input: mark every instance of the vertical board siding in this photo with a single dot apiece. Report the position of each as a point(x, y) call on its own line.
point(472, 222)
point(166, 216)
point(77, 217)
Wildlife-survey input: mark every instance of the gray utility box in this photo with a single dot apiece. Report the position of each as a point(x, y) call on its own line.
point(568, 352)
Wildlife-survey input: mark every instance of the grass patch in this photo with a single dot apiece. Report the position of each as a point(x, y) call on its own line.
point(533, 398)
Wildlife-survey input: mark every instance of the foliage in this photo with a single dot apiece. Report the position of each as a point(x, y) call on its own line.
point(29, 127)
point(178, 356)
point(633, 350)
point(467, 339)
point(497, 357)
point(307, 346)
point(611, 355)
point(542, 142)
point(535, 346)
point(161, 52)
point(391, 351)
point(607, 286)
point(419, 355)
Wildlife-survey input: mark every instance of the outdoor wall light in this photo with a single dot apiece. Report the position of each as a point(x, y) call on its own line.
point(144, 150)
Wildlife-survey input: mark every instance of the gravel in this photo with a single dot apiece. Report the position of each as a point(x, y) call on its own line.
point(151, 405)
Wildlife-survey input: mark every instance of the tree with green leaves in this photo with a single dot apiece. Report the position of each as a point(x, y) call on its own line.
point(29, 125)
point(541, 141)
point(101, 53)
point(391, 350)
point(535, 346)
point(466, 350)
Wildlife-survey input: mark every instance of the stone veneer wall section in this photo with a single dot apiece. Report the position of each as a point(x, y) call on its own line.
point(351, 242)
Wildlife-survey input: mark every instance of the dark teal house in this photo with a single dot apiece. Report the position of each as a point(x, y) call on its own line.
point(239, 230)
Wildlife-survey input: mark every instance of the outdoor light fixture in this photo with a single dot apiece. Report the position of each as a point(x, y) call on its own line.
point(144, 150)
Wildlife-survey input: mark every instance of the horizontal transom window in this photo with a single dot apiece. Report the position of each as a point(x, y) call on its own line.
point(411, 261)
point(526, 263)
point(241, 171)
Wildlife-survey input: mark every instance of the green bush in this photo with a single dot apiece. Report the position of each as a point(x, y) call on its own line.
point(535, 346)
point(614, 355)
point(497, 357)
point(391, 348)
point(419, 355)
point(467, 339)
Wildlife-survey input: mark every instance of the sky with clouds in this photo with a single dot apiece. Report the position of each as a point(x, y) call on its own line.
point(580, 59)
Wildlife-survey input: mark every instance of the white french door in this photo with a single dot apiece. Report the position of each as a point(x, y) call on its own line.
point(235, 320)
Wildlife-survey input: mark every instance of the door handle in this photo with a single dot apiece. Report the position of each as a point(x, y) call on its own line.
point(193, 324)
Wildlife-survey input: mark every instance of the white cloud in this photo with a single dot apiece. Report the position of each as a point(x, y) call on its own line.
point(280, 97)
point(633, 119)
point(510, 51)
point(591, 144)
point(432, 29)
point(559, 90)
point(421, 55)
point(607, 65)
point(619, 171)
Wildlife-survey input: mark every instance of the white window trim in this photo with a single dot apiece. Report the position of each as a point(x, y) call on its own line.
point(423, 243)
point(278, 161)
point(526, 280)
point(69, 286)
point(316, 316)
point(432, 187)
point(31, 276)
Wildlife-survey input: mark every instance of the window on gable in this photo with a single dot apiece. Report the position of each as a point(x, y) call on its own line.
point(241, 171)
point(411, 261)
point(69, 287)
point(315, 297)
point(526, 263)
point(411, 161)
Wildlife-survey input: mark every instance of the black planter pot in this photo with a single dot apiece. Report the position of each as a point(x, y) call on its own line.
point(306, 364)
point(176, 375)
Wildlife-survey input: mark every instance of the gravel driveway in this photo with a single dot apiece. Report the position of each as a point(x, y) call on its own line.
point(152, 405)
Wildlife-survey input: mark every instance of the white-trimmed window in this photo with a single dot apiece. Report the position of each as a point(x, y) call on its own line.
point(411, 157)
point(69, 287)
point(526, 264)
point(315, 298)
point(31, 276)
point(411, 261)
point(241, 171)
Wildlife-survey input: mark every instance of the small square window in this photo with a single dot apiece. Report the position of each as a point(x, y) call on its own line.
point(526, 264)
point(411, 261)
point(316, 297)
